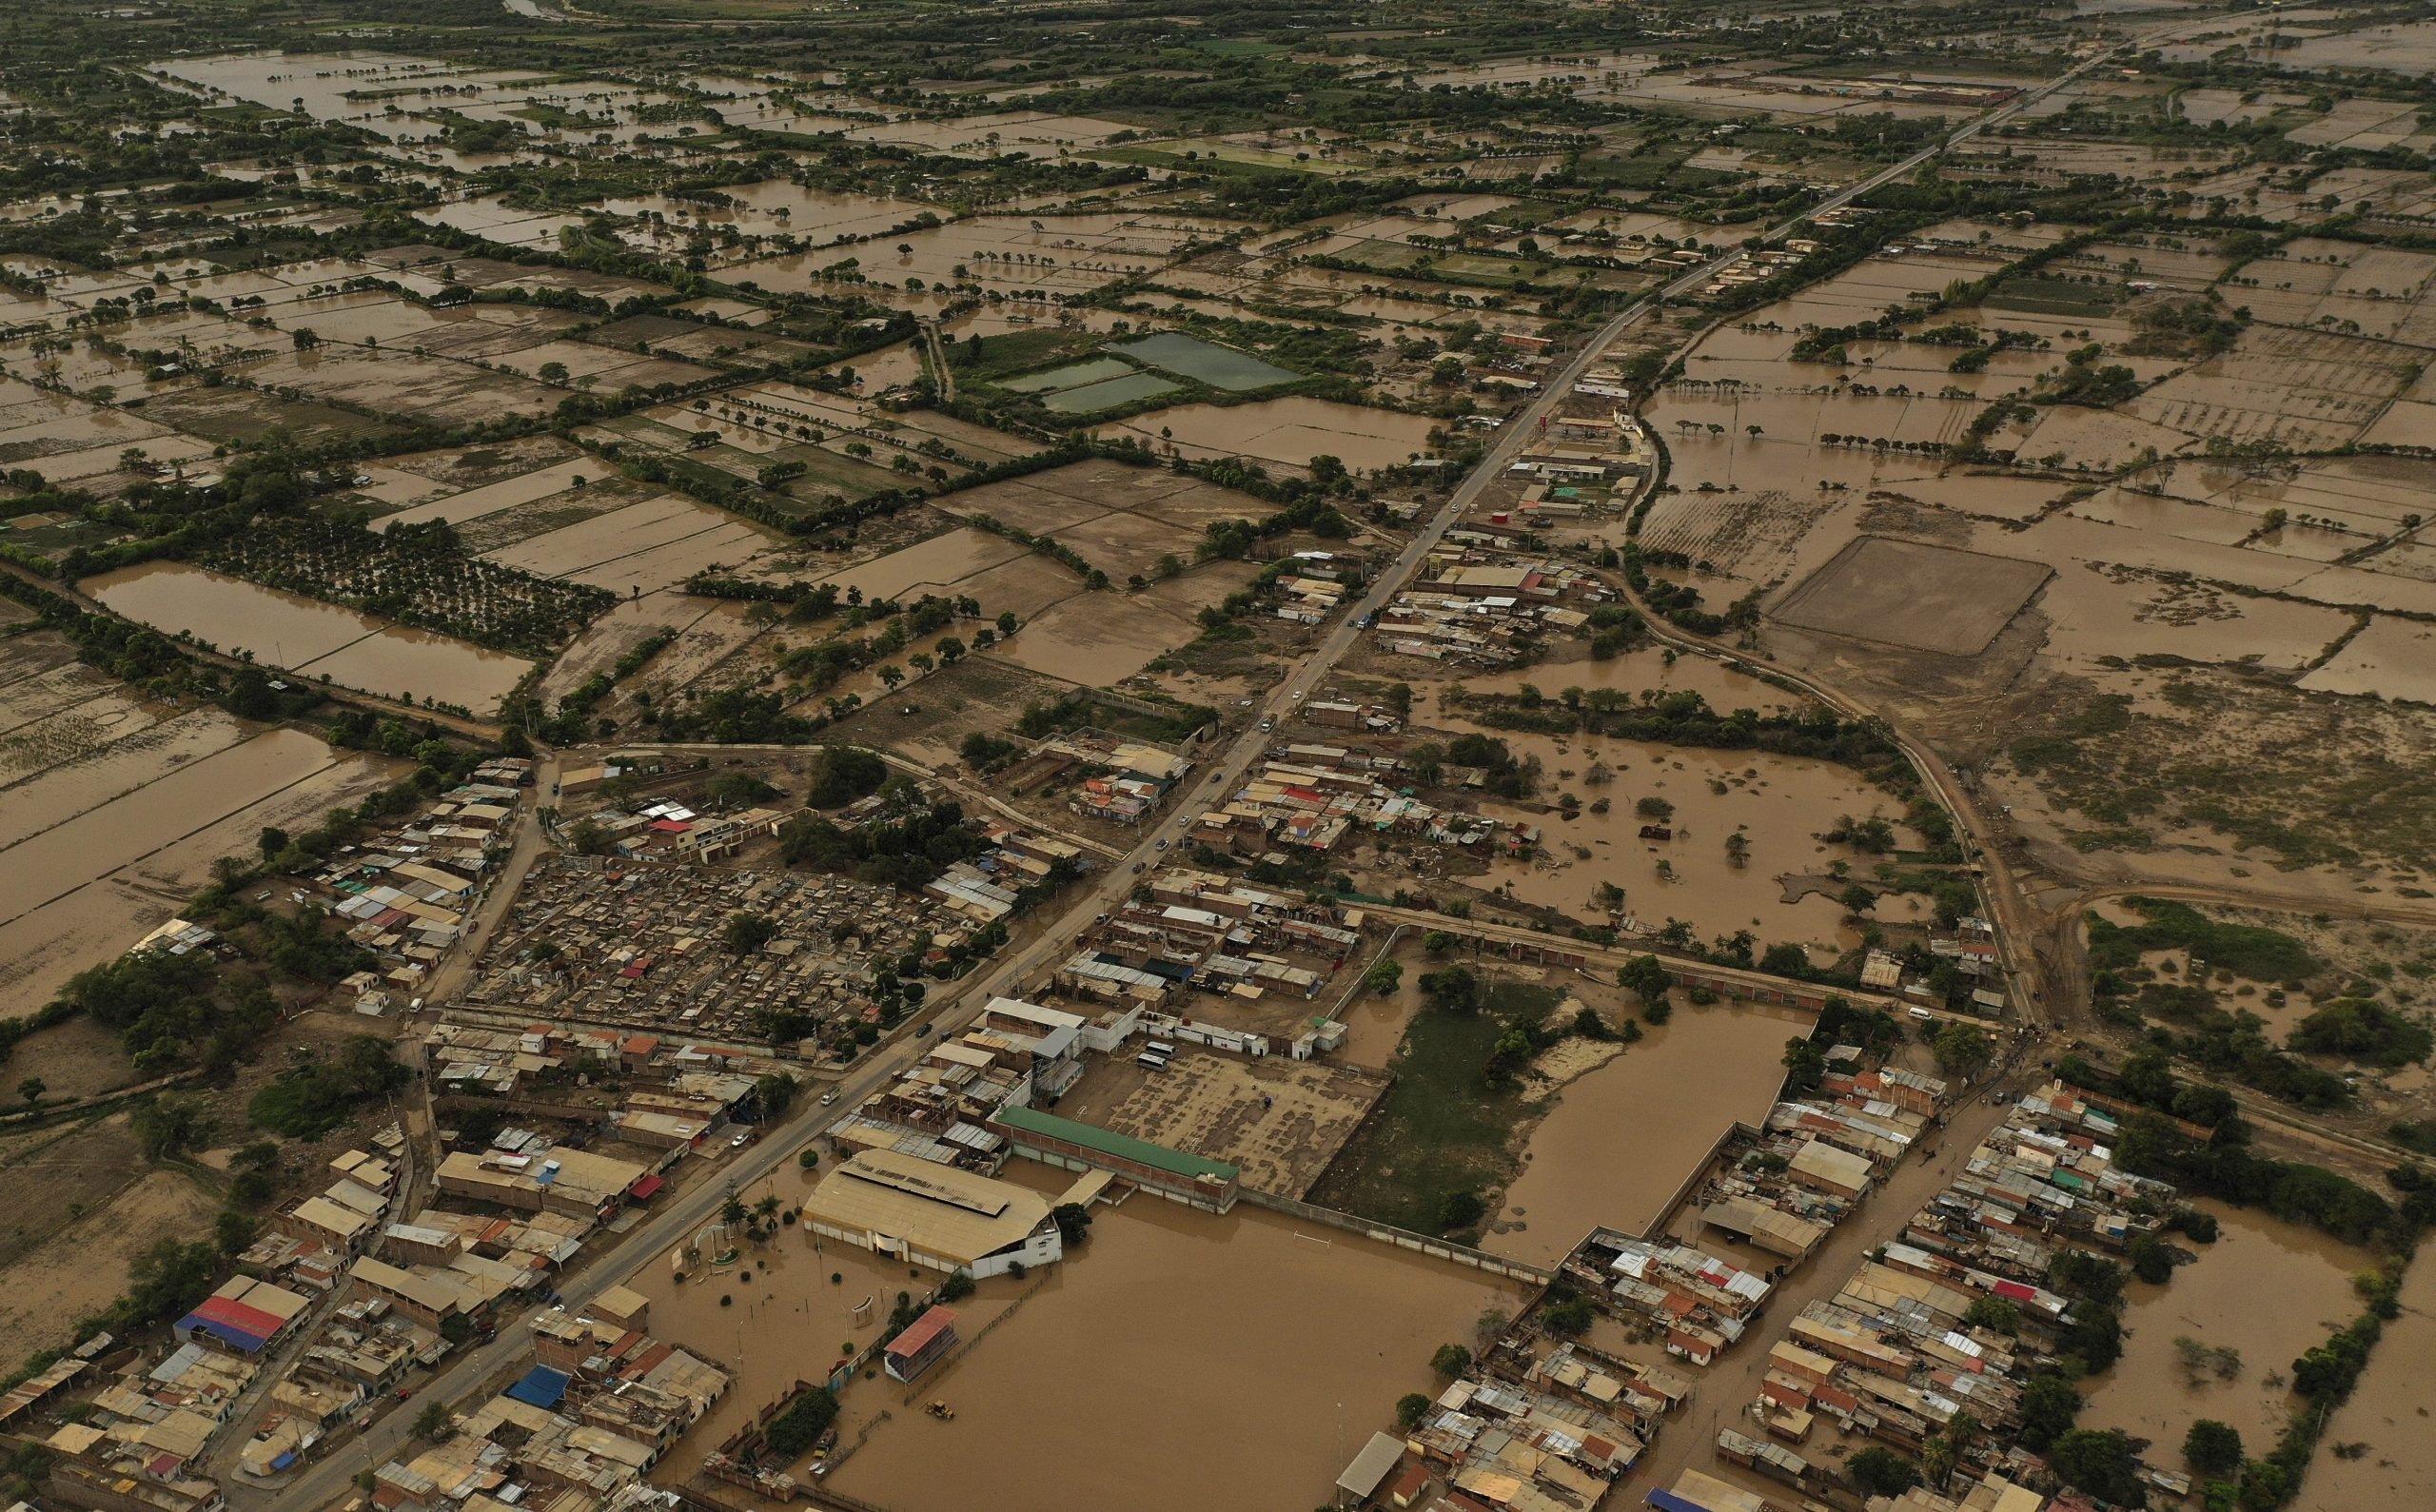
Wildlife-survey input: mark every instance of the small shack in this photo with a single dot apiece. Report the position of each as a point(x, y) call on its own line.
point(1359, 1484)
point(924, 1342)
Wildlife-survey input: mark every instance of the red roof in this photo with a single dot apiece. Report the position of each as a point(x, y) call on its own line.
point(2015, 1291)
point(922, 1332)
point(670, 826)
point(237, 1315)
point(641, 1045)
point(645, 1189)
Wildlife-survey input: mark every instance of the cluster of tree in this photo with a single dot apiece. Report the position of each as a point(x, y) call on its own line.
point(313, 1099)
point(905, 850)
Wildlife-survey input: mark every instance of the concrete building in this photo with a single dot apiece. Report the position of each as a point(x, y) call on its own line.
point(934, 1215)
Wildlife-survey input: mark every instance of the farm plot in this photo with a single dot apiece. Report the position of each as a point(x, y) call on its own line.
point(1288, 432)
point(402, 384)
point(638, 547)
point(2313, 392)
point(434, 589)
point(1920, 597)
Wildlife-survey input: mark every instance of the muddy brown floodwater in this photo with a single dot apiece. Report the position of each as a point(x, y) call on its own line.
point(2266, 1288)
point(1625, 1137)
point(309, 636)
point(2389, 1414)
point(1176, 1360)
point(1779, 804)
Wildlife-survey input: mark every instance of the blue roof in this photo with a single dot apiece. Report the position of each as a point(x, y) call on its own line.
point(541, 1388)
point(229, 1334)
point(1669, 1502)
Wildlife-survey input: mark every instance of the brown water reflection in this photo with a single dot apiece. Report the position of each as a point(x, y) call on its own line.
point(309, 636)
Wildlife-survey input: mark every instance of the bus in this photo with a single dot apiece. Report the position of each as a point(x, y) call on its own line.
point(1162, 1049)
point(1151, 1063)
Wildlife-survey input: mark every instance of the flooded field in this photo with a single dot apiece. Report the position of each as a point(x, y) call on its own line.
point(2216, 1302)
point(1625, 1137)
point(82, 887)
point(1777, 804)
point(1298, 1342)
point(307, 636)
point(1290, 431)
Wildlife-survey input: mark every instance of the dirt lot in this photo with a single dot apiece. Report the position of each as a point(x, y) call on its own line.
point(1920, 597)
point(1280, 1120)
point(83, 1264)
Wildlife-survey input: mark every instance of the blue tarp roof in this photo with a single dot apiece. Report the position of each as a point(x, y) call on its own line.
point(1669, 1502)
point(229, 1334)
point(541, 1388)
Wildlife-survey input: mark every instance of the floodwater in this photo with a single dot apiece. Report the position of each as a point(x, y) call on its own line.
point(785, 1320)
point(56, 859)
point(1292, 431)
point(1779, 804)
point(2388, 1412)
point(2218, 1301)
point(1625, 1137)
point(81, 892)
point(1177, 1359)
point(309, 636)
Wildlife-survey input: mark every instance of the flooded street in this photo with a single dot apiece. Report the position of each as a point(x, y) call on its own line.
point(1625, 1137)
point(1178, 1359)
point(2218, 1304)
point(307, 636)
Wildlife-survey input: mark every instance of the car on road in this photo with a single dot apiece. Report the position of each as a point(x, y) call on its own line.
point(1163, 845)
point(739, 1141)
point(1266, 725)
point(828, 1097)
point(924, 1031)
point(405, 1392)
point(1137, 866)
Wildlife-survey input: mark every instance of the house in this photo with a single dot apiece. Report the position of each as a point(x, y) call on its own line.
point(1358, 1485)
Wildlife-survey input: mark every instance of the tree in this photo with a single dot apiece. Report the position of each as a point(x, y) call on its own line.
point(1410, 1409)
point(950, 650)
point(1383, 978)
point(2212, 1449)
point(1805, 1068)
point(1856, 899)
point(2100, 1462)
point(1962, 1050)
point(552, 373)
point(435, 1424)
point(732, 1210)
point(1944, 1451)
point(272, 841)
point(1452, 1361)
point(1995, 1314)
point(1074, 1222)
point(1459, 1210)
point(1454, 990)
point(1882, 1472)
point(1007, 623)
point(1645, 977)
point(2048, 1407)
point(31, 1089)
point(167, 1123)
point(747, 933)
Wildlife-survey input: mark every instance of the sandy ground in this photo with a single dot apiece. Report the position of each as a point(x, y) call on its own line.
point(83, 1264)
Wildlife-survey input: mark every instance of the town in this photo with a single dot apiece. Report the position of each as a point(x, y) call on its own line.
point(760, 755)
